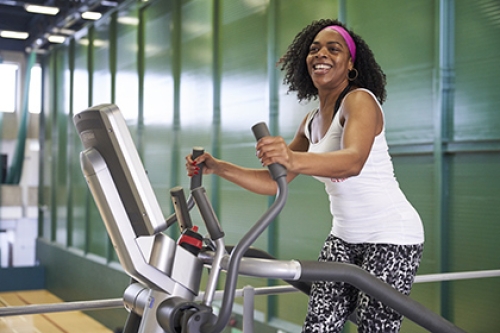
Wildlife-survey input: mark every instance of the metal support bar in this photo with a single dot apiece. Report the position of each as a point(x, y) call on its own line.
point(457, 276)
point(248, 309)
point(61, 307)
point(276, 290)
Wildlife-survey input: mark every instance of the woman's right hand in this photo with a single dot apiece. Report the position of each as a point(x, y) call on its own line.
point(210, 164)
point(255, 180)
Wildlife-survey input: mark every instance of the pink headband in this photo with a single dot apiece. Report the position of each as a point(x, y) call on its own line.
point(348, 39)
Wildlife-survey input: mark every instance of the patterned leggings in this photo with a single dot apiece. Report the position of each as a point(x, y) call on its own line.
point(331, 303)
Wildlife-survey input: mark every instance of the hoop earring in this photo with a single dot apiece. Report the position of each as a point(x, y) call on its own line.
point(350, 76)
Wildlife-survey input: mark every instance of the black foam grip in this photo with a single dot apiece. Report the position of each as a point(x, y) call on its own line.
point(261, 130)
point(196, 179)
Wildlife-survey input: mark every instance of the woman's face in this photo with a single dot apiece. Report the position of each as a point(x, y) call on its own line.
point(328, 60)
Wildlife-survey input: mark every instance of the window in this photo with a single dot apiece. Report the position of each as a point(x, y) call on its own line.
point(8, 85)
point(8, 88)
point(35, 99)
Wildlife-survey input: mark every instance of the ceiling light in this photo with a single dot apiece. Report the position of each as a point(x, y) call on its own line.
point(56, 39)
point(128, 20)
point(13, 34)
point(62, 31)
point(91, 15)
point(41, 9)
point(109, 3)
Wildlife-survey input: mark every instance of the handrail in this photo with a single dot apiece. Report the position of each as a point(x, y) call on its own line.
point(454, 276)
point(259, 291)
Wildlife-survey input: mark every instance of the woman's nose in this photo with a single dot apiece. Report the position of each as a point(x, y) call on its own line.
point(321, 53)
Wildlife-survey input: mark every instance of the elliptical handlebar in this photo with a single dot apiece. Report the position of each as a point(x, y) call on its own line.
point(278, 172)
point(261, 130)
point(196, 179)
point(194, 184)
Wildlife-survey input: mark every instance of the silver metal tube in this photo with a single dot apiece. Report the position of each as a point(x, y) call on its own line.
point(456, 276)
point(275, 290)
point(269, 268)
point(259, 267)
point(214, 273)
point(61, 307)
point(248, 309)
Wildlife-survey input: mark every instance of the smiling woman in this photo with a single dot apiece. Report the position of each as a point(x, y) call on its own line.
point(342, 144)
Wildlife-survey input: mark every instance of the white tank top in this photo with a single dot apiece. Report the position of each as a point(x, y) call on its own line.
point(370, 207)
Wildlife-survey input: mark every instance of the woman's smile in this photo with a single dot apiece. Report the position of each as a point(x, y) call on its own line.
point(321, 68)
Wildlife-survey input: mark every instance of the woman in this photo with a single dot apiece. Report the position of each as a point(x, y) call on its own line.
point(342, 144)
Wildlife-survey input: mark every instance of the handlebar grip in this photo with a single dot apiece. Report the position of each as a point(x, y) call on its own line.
point(207, 213)
point(181, 208)
point(196, 179)
point(261, 130)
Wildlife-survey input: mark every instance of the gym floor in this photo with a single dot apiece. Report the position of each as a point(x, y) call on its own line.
point(63, 322)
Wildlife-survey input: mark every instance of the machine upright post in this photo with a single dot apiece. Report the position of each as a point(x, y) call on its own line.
point(248, 309)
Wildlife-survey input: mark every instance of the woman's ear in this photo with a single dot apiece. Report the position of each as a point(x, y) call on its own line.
point(350, 65)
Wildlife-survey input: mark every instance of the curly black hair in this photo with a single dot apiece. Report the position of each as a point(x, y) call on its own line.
point(370, 75)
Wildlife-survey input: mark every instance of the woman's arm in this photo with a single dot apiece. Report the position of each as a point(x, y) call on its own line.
point(256, 180)
point(362, 120)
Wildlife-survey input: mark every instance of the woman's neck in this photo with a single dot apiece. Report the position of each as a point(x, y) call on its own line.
point(328, 98)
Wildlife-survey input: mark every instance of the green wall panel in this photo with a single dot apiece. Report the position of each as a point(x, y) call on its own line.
point(408, 58)
point(243, 53)
point(46, 146)
point(60, 146)
point(477, 100)
point(475, 211)
point(475, 304)
point(96, 239)
point(196, 89)
point(158, 100)
point(80, 192)
point(243, 103)
point(474, 238)
point(101, 74)
point(126, 66)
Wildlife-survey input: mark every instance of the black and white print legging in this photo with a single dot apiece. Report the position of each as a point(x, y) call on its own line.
point(331, 303)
